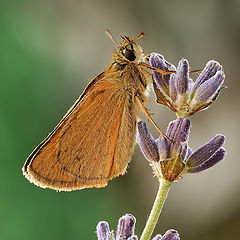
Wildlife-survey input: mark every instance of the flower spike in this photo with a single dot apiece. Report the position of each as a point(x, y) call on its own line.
point(177, 158)
point(126, 228)
point(179, 93)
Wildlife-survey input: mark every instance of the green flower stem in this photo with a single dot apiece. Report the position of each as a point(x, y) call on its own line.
point(164, 186)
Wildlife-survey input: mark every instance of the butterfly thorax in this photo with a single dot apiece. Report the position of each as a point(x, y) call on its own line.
point(126, 61)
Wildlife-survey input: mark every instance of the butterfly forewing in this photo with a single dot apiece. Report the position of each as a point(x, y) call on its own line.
point(92, 145)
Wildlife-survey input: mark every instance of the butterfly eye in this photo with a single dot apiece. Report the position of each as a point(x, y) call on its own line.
point(129, 54)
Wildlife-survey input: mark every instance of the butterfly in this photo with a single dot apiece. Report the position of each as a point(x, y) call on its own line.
point(94, 141)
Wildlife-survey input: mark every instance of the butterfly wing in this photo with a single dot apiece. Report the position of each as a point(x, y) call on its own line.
point(92, 144)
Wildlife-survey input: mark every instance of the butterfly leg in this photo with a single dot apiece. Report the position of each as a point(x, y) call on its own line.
point(144, 109)
point(163, 72)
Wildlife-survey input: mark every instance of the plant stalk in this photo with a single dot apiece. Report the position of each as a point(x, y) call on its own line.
point(164, 186)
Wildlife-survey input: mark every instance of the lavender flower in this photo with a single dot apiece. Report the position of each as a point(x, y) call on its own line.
point(161, 63)
point(207, 155)
point(169, 235)
point(179, 93)
point(149, 145)
point(103, 232)
point(177, 158)
point(126, 228)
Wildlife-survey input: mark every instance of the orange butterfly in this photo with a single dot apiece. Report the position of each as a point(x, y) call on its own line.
point(94, 142)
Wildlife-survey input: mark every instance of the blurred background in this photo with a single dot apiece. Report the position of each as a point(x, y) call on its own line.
point(50, 50)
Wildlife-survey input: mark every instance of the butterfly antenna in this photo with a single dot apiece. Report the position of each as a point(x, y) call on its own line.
point(140, 36)
point(109, 34)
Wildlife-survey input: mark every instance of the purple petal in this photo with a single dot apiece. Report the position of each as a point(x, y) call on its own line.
point(189, 152)
point(172, 87)
point(203, 153)
point(126, 226)
point(171, 235)
point(217, 157)
point(209, 88)
point(182, 77)
point(163, 148)
point(209, 71)
point(147, 143)
point(178, 131)
point(190, 85)
point(184, 152)
point(157, 237)
point(103, 232)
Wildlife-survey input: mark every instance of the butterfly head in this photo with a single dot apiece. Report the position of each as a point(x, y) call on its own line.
point(128, 50)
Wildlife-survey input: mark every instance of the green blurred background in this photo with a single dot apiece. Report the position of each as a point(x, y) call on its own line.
point(49, 50)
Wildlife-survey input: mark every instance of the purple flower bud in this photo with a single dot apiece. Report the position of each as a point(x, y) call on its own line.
point(158, 61)
point(157, 237)
point(217, 157)
point(182, 77)
point(134, 237)
point(206, 151)
point(173, 154)
point(171, 235)
point(126, 225)
point(209, 71)
point(178, 131)
point(147, 143)
point(103, 232)
point(209, 88)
